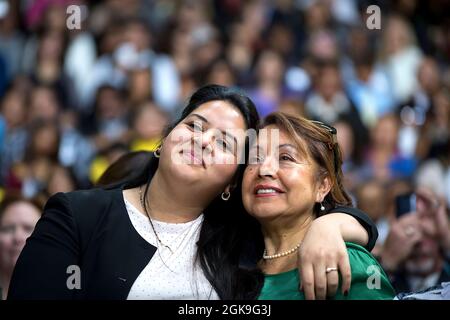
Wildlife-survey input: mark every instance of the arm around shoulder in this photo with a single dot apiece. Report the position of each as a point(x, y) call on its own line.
point(364, 221)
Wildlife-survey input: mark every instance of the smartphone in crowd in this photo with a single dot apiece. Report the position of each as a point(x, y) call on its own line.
point(405, 203)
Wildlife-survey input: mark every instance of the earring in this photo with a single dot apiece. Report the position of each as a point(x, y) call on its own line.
point(225, 196)
point(322, 208)
point(157, 152)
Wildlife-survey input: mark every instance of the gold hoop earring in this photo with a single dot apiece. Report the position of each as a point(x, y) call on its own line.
point(225, 196)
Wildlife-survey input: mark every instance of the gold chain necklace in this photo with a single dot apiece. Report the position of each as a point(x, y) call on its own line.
point(141, 198)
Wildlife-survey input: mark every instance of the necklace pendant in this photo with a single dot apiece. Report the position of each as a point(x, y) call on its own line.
point(166, 246)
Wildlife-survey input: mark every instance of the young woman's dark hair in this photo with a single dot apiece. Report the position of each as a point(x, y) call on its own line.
point(225, 224)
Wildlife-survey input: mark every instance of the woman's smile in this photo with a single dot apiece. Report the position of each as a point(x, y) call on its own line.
point(267, 190)
point(193, 157)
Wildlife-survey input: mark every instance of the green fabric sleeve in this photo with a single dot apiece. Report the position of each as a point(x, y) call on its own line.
point(369, 281)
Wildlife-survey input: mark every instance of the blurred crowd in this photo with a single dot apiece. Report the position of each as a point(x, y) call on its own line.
point(72, 101)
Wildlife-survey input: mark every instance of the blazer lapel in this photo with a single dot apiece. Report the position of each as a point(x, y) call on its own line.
point(132, 252)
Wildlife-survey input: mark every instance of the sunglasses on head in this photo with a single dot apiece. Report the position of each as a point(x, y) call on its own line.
point(330, 129)
point(333, 133)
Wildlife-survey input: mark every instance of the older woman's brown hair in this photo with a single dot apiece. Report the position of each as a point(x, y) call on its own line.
point(318, 142)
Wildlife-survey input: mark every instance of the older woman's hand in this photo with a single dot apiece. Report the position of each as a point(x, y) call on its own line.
point(323, 247)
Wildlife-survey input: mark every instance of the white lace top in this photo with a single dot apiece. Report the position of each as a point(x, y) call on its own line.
point(170, 274)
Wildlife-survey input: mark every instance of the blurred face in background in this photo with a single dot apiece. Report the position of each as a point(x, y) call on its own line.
point(270, 67)
point(254, 16)
point(441, 101)
point(329, 82)
point(55, 17)
point(397, 35)
point(323, 45)
point(190, 14)
point(206, 50)
point(239, 52)
point(140, 85)
point(60, 181)
point(385, 132)
point(45, 141)
point(281, 38)
point(293, 107)
point(51, 46)
point(371, 199)
point(111, 39)
point(345, 139)
point(124, 8)
point(358, 42)
point(109, 103)
point(137, 34)
point(150, 122)
point(222, 74)
point(318, 15)
point(428, 75)
point(425, 257)
point(181, 44)
point(13, 110)
point(43, 104)
point(16, 225)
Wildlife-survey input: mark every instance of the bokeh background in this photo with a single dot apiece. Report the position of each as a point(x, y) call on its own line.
point(74, 101)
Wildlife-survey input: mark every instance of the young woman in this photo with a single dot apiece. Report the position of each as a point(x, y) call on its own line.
point(287, 184)
point(175, 229)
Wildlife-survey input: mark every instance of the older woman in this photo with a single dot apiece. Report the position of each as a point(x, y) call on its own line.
point(289, 182)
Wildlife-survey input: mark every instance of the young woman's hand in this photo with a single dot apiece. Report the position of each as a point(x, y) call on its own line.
point(323, 247)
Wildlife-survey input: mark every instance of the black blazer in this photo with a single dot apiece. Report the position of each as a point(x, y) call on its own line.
point(91, 229)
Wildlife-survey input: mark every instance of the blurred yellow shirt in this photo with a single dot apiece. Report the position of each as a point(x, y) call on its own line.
point(145, 145)
point(100, 163)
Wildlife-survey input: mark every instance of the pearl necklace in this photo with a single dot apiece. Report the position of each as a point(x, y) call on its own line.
point(281, 254)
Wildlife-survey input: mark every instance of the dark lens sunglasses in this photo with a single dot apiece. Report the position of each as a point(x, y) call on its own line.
point(333, 133)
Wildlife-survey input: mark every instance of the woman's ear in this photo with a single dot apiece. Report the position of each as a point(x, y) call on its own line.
point(323, 189)
point(233, 184)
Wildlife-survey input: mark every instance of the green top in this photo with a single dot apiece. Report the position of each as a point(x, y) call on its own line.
point(369, 281)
